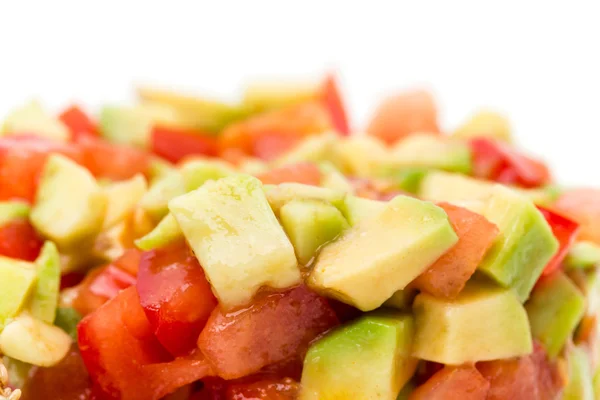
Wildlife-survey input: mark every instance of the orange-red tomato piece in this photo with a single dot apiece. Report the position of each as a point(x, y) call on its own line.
point(18, 239)
point(274, 327)
point(78, 122)
point(449, 274)
point(268, 389)
point(174, 144)
point(583, 205)
point(112, 161)
point(453, 383)
point(403, 114)
point(330, 95)
point(565, 230)
point(302, 172)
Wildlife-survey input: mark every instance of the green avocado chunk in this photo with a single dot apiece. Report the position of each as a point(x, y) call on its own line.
point(70, 206)
point(580, 383)
point(12, 210)
point(407, 179)
point(367, 359)
point(555, 308)
point(371, 261)
point(67, 319)
point(525, 243)
point(356, 209)
point(311, 224)
point(122, 197)
point(156, 200)
point(17, 279)
point(332, 178)
point(31, 118)
point(315, 148)
point(166, 232)
point(237, 238)
point(583, 255)
point(44, 298)
point(196, 172)
point(360, 155)
point(279, 195)
point(483, 323)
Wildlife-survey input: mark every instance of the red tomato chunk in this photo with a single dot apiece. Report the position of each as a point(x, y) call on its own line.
point(19, 240)
point(565, 231)
point(453, 383)
point(78, 122)
point(302, 172)
point(175, 144)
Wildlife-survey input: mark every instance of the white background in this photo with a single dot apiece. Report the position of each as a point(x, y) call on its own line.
point(539, 62)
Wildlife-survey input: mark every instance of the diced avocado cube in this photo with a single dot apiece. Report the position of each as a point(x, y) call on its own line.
point(332, 178)
point(485, 123)
point(156, 200)
point(236, 238)
point(580, 383)
point(369, 358)
point(68, 216)
point(356, 209)
point(310, 224)
point(17, 279)
point(525, 243)
point(375, 258)
point(555, 308)
point(35, 342)
point(133, 125)
point(360, 156)
point(252, 166)
point(483, 323)
point(159, 168)
point(44, 299)
point(122, 198)
point(405, 178)
point(279, 195)
point(166, 232)
point(315, 148)
point(31, 118)
point(431, 151)
point(67, 319)
point(584, 255)
point(12, 210)
point(196, 172)
point(262, 96)
point(544, 196)
point(402, 299)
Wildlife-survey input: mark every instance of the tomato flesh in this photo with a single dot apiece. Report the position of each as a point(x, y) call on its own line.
point(18, 239)
point(268, 389)
point(173, 144)
point(449, 274)
point(176, 297)
point(333, 102)
point(273, 328)
point(565, 230)
point(78, 122)
point(112, 161)
point(583, 205)
point(302, 172)
point(453, 383)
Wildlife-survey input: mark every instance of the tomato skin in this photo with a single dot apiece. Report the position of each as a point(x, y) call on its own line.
point(583, 206)
point(453, 383)
point(449, 274)
point(565, 230)
point(277, 326)
point(112, 161)
point(499, 162)
point(267, 389)
point(111, 281)
point(176, 297)
point(302, 172)
point(173, 144)
point(18, 239)
point(332, 99)
point(78, 122)
point(399, 116)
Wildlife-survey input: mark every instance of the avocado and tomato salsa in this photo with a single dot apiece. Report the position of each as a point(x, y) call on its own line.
point(190, 249)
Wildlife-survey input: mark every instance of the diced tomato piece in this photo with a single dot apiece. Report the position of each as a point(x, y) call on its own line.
point(583, 206)
point(174, 144)
point(284, 389)
point(302, 172)
point(19, 240)
point(111, 281)
point(124, 359)
point(449, 274)
point(129, 261)
point(453, 383)
point(269, 134)
point(112, 161)
point(22, 159)
point(78, 122)
point(85, 301)
point(273, 328)
point(176, 296)
point(565, 230)
point(401, 115)
point(499, 162)
point(333, 102)
point(71, 279)
point(67, 380)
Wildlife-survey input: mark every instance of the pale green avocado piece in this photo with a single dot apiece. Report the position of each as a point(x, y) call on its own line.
point(402, 299)
point(236, 237)
point(196, 172)
point(68, 216)
point(369, 358)
point(580, 384)
point(31, 118)
point(357, 209)
point(407, 179)
point(166, 232)
point(431, 151)
point(596, 384)
point(261, 96)
point(253, 166)
point(155, 200)
point(18, 371)
point(315, 148)
point(122, 198)
point(133, 125)
point(279, 195)
point(525, 243)
point(332, 178)
point(159, 168)
point(311, 224)
point(485, 123)
point(544, 196)
point(371, 261)
point(44, 299)
point(360, 155)
point(17, 280)
point(67, 319)
point(555, 308)
point(583, 255)
point(483, 323)
point(13, 210)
